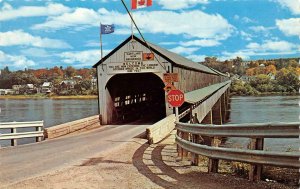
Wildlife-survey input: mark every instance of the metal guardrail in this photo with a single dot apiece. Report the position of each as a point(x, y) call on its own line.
point(281, 159)
point(256, 156)
point(14, 135)
point(250, 130)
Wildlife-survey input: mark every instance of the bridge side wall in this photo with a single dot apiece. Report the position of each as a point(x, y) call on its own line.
point(211, 104)
point(190, 80)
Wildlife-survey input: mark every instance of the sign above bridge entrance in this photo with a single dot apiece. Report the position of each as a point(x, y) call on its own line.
point(175, 98)
point(169, 87)
point(170, 77)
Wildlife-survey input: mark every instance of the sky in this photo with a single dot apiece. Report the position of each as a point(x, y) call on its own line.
point(46, 33)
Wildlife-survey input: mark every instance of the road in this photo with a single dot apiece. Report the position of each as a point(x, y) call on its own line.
point(27, 161)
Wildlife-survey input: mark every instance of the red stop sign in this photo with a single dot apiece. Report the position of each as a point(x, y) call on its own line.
point(176, 98)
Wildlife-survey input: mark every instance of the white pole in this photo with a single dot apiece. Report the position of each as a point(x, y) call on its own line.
point(101, 46)
point(176, 114)
point(101, 42)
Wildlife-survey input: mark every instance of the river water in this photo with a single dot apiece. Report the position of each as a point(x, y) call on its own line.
point(53, 112)
point(265, 109)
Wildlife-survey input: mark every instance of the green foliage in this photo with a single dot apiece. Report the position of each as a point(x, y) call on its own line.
point(288, 79)
point(241, 88)
point(262, 83)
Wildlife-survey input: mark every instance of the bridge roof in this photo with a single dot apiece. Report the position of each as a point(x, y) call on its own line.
point(168, 55)
point(201, 94)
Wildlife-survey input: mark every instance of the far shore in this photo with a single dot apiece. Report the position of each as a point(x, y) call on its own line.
point(268, 94)
point(48, 97)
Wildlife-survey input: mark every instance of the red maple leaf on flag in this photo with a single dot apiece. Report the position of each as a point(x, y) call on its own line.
point(141, 2)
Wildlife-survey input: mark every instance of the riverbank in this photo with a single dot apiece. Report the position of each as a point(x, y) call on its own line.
point(15, 97)
point(266, 94)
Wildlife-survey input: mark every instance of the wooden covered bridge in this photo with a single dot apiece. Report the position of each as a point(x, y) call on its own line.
point(131, 86)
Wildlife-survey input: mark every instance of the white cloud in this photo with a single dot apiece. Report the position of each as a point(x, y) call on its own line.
point(82, 58)
point(182, 4)
point(245, 55)
point(184, 50)
point(168, 43)
point(293, 5)
point(260, 28)
point(266, 48)
point(279, 46)
point(197, 58)
point(244, 19)
point(19, 37)
point(92, 43)
point(201, 43)
point(35, 52)
point(290, 27)
point(17, 62)
point(79, 17)
point(207, 26)
point(246, 36)
point(7, 12)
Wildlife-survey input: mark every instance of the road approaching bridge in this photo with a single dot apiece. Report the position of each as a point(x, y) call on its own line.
point(26, 161)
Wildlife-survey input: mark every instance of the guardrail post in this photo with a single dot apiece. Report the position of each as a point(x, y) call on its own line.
point(184, 153)
point(255, 171)
point(179, 149)
point(14, 141)
point(213, 164)
point(195, 139)
point(38, 139)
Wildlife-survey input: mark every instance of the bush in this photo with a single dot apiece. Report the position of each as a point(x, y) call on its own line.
point(241, 88)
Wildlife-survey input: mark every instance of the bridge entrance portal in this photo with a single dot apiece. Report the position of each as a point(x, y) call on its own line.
point(137, 96)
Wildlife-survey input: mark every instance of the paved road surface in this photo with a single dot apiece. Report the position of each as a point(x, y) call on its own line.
point(23, 162)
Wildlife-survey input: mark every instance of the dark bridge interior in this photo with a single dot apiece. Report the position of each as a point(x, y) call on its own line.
point(138, 96)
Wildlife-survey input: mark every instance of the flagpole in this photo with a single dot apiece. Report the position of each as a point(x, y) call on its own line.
point(101, 46)
point(131, 21)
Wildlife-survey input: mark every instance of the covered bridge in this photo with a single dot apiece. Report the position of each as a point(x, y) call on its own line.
point(130, 81)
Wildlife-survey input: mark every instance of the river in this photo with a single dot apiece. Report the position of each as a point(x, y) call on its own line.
point(52, 111)
point(265, 109)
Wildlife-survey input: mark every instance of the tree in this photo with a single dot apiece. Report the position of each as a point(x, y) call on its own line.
point(70, 71)
point(270, 69)
point(288, 78)
point(253, 64)
point(262, 83)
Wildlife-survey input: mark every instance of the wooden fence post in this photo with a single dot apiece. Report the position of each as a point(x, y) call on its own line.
point(255, 171)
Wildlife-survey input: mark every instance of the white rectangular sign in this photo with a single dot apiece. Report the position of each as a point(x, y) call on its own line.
point(133, 67)
point(133, 56)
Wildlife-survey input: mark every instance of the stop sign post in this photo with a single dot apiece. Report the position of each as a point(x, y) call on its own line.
point(176, 99)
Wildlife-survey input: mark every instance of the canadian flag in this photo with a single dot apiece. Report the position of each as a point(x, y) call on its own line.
point(137, 4)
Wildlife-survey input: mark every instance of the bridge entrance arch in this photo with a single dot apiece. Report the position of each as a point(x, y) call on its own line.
point(136, 96)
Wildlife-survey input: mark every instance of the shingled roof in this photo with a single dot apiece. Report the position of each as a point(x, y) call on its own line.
point(168, 55)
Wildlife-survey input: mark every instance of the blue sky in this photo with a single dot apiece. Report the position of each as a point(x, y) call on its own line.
point(44, 33)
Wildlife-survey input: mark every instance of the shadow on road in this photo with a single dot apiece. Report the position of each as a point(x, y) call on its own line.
point(162, 174)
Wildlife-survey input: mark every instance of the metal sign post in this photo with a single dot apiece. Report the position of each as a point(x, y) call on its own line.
point(176, 114)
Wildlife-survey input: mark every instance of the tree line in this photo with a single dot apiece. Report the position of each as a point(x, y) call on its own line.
point(81, 77)
point(260, 76)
